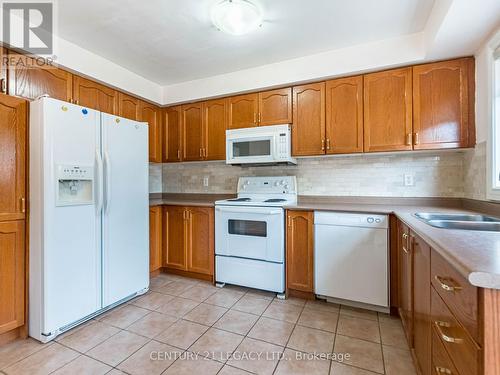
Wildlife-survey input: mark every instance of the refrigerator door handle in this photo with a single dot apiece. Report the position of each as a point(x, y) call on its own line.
point(97, 181)
point(107, 164)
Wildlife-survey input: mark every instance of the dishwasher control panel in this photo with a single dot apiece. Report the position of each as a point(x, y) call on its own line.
point(351, 219)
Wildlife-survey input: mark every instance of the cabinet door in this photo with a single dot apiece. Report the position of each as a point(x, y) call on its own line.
point(29, 80)
point(405, 281)
point(12, 271)
point(13, 120)
point(388, 110)
point(441, 104)
point(299, 251)
point(344, 115)
point(215, 125)
point(155, 232)
point(422, 304)
point(172, 134)
point(174, 237)
point(200, 240)
point(128, 107)
point(243, 111)
point(192, 131)
point(275, 107)
point(308, 129)
point(152, 115)
point(91, 94)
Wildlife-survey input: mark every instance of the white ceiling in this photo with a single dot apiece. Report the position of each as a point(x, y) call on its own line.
point(171, 41)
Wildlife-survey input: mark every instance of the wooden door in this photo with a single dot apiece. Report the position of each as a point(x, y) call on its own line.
point(172, 134)
point(200, 240)
point(243, 110)
point(192, 131)
point(174, 237)
point(13, 274)
point(275, 107)
point(13, 120)
point(91, 94)
point(29, 80)
point(152, 115)
point(300, 251)
point(308, 129)
point(388, 110)
point(215, 125)
point(405, 280)
point(344, 115)
point(155, 234)
point(422, 304)
point(441, 104)
point(128, 107)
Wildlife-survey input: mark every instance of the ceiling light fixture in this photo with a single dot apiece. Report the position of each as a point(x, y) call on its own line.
point(236, 17)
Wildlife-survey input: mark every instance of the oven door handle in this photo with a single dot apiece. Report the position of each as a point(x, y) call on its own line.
point(246, 210)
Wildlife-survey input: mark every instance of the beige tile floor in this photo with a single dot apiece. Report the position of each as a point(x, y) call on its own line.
point(184, 326)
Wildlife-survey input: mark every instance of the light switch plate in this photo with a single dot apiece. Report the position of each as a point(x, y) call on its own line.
point(205, 181)
point(409, 179)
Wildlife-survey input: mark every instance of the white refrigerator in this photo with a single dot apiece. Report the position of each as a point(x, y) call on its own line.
point(89, 214)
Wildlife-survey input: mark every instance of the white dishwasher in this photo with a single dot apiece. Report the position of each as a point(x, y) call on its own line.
point(351, 258)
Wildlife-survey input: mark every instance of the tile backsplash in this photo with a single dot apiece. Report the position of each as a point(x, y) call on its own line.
point(475, 172)
point(438, 174)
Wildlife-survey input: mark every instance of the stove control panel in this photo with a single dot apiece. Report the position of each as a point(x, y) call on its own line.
point(268, 185)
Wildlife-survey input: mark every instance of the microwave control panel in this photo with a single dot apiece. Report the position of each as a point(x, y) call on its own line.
point(283, 145)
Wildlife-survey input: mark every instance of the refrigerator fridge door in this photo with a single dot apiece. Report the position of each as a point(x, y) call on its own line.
point(65, 217)
point(126, 208)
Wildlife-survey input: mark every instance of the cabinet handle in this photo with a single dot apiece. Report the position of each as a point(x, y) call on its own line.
point(322, 145)
point(3, 85)
point(289, 220)
point(23, 205)
point(201, 152)
point(442, 370)
point(439, 326)
point(179, 154)
point(408, 139)
point(405, 238)
point(416, 139)
point(76, 102)
point(328, 143)
point(255, 118)
point(260, 117)
point(445, 286)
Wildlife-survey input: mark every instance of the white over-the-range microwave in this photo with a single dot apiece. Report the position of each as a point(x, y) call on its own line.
point(259, 145)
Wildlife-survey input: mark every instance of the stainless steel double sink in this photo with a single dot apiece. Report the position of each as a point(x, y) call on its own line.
point(460, 221)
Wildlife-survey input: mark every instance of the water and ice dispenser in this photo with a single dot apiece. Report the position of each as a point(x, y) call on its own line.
point(74, 185)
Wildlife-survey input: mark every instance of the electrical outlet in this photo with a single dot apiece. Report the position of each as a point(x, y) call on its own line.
point(205, 181)
point(409, 179)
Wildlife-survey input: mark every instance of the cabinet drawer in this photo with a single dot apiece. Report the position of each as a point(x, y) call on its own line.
point(441, 361)
point(460, 296)
point(463, 351)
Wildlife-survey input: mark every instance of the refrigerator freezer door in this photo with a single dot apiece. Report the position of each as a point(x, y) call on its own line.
point(125, 208)
point(65, 255)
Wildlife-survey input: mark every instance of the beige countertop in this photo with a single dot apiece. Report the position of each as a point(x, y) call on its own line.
point(475, 254)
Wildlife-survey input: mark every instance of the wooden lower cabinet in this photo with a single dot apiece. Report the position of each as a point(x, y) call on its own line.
point(155, 237)
point(188, 239)
point(300, 251)
point(12, 275)
point(405, 280)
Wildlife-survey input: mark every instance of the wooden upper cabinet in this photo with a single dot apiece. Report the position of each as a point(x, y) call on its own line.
point(128, 106)
point(174, 237)
point(172, 134)
point(308, 129)
point(192, 130)
point(299, 251)
point(13, 120)
point(91, 94)
point(243, 111)
point(215, 125)
point(388, 110)
point(152, 115)
point(275, 107)
point(29, 80)
point(441, 104)
point(12, 269)
point(155, 236)
point(200, 240)
point(344, 115)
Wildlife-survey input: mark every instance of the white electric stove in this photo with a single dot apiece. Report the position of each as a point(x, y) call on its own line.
point(250, 233)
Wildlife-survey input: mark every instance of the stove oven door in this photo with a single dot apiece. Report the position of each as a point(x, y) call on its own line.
point(250, 232)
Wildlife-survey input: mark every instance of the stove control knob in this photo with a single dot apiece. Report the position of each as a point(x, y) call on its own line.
point(282, 182)
point(286, 187)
